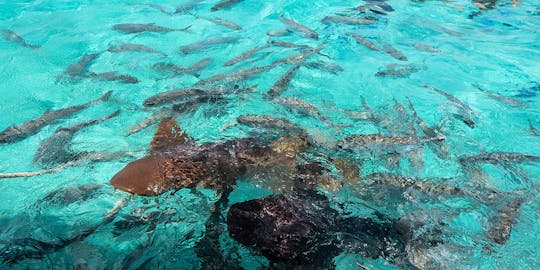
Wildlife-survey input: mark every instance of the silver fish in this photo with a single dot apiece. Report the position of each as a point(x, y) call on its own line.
point(377, 143)
point(326, 66)
point(400, 73)
point(506, 100)
point(224, 4)
point(400, 181)
point(503, 222)
point(131, 28)
point(12, 36)
point(392, 51)
point(133, 47)
point(497, 157)
point(278, 33)
point(225, 23)
point(17, 133)
point(347, 20)
point(303, 107)
point(187, 7)
point(165, 67)
point(466, 110)
point(156, 117)
point(207, 43)
point(301, 28)
point(57, 150)
point(237, 75)
point(365, 42)
point(197, 66)
point(245, 55)
point(172, 95)
point(81, 67)
point(283, 82)
point(427, 48)
point(268, 122)
point(300, 58)
point(428, 131)
point(111, 76)
point(161, 8)
point(285, 44)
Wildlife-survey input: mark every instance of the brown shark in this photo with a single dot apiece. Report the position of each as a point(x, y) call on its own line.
point(175, 161)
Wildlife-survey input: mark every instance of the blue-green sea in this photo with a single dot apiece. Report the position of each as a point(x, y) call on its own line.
point(454, 46)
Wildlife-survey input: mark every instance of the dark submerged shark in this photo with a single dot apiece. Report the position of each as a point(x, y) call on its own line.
point(294, 231)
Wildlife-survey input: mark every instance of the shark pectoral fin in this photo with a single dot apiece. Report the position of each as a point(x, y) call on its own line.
point(169, 134)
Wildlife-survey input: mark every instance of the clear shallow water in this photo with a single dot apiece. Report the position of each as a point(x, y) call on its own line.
point(497, 50)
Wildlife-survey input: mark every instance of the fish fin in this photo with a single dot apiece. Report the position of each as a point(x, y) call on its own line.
point(46, 112)
point(169, 134)
point(185, 28)
point(106, 96)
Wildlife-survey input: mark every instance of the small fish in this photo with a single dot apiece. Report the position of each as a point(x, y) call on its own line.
point(401, 72)
point(156, 117)
point(278, 33)
point(187, 7)
point(301, 28)
point(245, 55)
point(283, 82)
point(30, 248)
point(197, 66)
point(268, 122)
point(347, 20)
point(224, 4)
point(326, 66)
point(300, 58)
point(111, 76)
point(533, 130)
point(365, 42)
point(172, 95)
point(427, 48)
point(462, 106)
point(430, 132)
point(304, 108)
point(12, 36)
point(161, 8)
point(285, 44)
point(57, 150)
point(496, 157)
point(503, 222)
point(165, 67)
point(132, 47)
point(207, 43)
point(399, 181)
point(392, 51)
point(237, 75)
point(223, 22)
point(70, 195)
point(17, 133)
point(506, 100)
point(377, 143)
point(131, 28)
point(79, 68)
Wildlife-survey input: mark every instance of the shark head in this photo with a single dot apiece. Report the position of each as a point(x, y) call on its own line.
point(141, 177)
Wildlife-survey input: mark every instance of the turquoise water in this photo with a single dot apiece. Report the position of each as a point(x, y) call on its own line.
point(497, 50)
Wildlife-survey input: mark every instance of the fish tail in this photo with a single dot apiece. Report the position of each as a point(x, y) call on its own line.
point(105, 96)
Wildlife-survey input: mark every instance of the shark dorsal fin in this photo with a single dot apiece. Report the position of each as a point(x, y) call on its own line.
point(169, 134)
